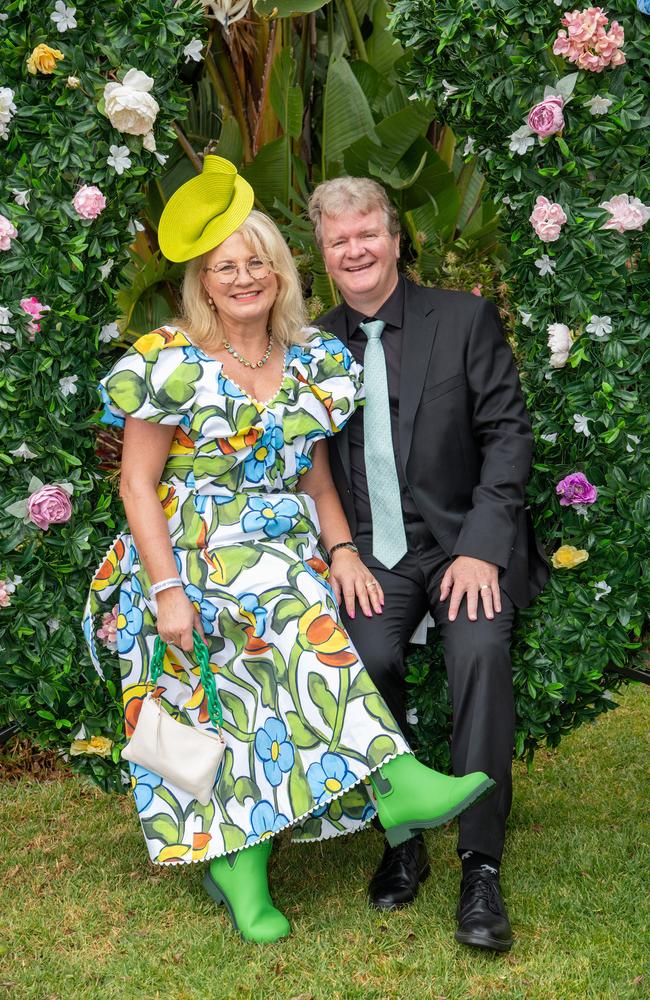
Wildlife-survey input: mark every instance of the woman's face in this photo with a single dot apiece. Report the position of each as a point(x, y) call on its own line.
point(241, 286)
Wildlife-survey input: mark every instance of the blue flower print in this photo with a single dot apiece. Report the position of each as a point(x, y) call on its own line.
point(303, 463)
point(338, 350)
point(194, 354)
point(298, 353)
point(273, 518)
point(329, 777)
point(251, 609)
point(109, 416)
point(129, 623)
point(274, 750)
point(205, 608)
point(228, 388)
point(263, 453)
point(265, 821)
point(368, 812)
point(143, 783)
point(643, 6)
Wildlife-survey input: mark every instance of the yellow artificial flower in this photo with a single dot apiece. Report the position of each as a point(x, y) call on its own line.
point(99, 745)
point(568, 556)
point(43, 59)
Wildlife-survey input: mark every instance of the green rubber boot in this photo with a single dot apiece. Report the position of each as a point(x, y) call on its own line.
point(411, 797)
point(239, 880)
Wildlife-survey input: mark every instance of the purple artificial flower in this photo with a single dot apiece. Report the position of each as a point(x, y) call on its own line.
point(576, 489)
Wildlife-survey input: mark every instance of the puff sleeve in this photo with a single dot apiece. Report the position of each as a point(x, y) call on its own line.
point(331, 380)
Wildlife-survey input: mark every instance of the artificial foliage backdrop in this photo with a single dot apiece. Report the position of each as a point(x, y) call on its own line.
point(554, 105)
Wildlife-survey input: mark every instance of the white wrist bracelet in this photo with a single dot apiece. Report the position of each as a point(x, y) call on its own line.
point(156, 588)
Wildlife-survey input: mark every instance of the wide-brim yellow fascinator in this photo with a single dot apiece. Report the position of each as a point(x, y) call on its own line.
point(204, 211)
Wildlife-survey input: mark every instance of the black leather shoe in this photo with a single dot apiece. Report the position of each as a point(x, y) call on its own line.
point(396, 881)
point(482, 916)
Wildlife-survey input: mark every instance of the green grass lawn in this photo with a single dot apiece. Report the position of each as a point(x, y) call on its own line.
point(86, 917)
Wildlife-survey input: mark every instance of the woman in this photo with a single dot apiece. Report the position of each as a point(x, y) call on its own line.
point(226, 488)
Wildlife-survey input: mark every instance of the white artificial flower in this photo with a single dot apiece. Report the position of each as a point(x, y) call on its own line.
point(448, 90)
point(545, 265)
point(63, 17)
point(603, 589)
point(551, 437)
point(5, 316)
point(412, 717)
point(106, 268)
point(599, 325)
point(506, 201)
point(635, 440)
point(581, 424)
point(149, 142)
point(193, 50)
point(135, 226)
point(7, 110)
point(21, 197)
point(109, 332)
point(10, 585)
point(581, 509)
point(598, 105)
point(3, 17)
point(119, 159)
point(226, 12)
point(4, 346)
point(469, 146)
point(526, 318)
point(68, 385)
point(53, 624)
point(129, 106)
point(22, 452)
point(73, 82)
point(162, 158)
point(521, 140)
point(559, 343)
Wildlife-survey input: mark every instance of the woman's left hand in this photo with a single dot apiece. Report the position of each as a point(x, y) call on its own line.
point(352, 580)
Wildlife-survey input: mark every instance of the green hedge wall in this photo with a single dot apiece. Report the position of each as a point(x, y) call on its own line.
point(57, 140)
point(487, 64)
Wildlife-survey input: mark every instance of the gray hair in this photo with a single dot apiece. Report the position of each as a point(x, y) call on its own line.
point(350, 194)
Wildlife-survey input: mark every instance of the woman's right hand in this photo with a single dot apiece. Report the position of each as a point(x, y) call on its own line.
point(176, 618)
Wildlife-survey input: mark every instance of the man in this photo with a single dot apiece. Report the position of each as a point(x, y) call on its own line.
point(431, 474)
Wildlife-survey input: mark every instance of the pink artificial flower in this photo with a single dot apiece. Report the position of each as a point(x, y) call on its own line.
point(8, 232)
point(576, 489)
point(626, 213)
point(546, 118)
point(547, 219)
point(5, 596)
point(586, 42)
point(107, 631)
point(89, 202)
point(476, 290)
point(33, 308)
point(49, 505)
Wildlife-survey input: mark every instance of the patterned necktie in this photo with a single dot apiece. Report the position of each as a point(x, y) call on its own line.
point(388, 535)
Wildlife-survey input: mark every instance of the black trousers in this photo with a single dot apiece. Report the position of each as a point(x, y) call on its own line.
point(479, 671)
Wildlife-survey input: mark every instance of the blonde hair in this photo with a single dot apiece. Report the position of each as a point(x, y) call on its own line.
point(288, 315)
point(350, 194)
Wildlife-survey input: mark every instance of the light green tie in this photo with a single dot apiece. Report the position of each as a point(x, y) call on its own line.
point(388, 535)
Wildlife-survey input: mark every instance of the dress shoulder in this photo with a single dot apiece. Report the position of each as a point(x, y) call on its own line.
point(154, 380)
point(327, 369)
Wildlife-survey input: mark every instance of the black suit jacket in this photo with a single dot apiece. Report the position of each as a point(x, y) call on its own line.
point(465, 438)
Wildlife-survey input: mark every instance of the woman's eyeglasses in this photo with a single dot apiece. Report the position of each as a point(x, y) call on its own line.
point(227, 273)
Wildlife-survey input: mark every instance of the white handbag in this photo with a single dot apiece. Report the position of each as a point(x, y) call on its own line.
point(186, 756)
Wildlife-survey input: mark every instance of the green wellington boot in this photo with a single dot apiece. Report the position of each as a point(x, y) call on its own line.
point(411, 797)
point(239, 880)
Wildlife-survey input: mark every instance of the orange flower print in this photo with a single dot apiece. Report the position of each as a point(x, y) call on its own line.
point(254, 646)
point(317, 631)
point(168, 499)
point(104, 576)
point(200, 843)
point(182, 443)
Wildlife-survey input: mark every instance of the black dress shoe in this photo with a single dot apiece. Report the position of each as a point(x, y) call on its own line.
point(482, 916)
point(396, 881)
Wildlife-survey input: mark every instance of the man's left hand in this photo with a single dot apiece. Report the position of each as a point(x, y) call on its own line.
point(472, 578)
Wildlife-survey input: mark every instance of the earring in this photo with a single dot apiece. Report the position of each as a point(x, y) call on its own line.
point(211, 304)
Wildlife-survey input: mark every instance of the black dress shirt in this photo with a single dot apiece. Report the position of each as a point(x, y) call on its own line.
point(392, 314)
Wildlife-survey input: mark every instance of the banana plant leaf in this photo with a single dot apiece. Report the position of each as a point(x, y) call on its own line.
point(286, 8)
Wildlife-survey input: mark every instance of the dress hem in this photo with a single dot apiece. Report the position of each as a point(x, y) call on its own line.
point(287, 826)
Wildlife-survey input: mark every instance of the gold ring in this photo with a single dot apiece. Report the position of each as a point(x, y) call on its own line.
point(371, 584)
point(484, 586)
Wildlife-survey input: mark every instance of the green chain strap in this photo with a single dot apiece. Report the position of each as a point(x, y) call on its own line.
point(207, 677)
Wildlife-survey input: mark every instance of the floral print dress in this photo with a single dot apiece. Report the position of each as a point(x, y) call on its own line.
point(303, 722)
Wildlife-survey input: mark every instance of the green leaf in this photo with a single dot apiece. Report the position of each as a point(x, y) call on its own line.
point(246, 788)
point(381, 748)
point(284, 612)
point(233, 704)
point(299, 792)
point(322, 697)
point(376, 706)
point(233, 836)
point(301, 737)
point(286, 98)
point(263, 671)
point(346, 112)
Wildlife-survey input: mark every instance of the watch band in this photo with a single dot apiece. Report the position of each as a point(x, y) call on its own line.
point(343, 545)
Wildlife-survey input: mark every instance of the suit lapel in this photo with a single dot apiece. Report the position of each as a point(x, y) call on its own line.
point(419, 333)
point(335, 322)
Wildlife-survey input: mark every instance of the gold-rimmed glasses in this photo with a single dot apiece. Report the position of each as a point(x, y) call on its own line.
point(228, 272)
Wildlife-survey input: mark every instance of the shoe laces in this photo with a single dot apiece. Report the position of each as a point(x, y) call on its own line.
point(485, 887)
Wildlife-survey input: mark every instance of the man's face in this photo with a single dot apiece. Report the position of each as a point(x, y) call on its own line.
point(361, 256)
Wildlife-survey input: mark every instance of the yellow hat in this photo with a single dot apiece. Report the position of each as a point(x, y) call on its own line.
point(205, 211)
